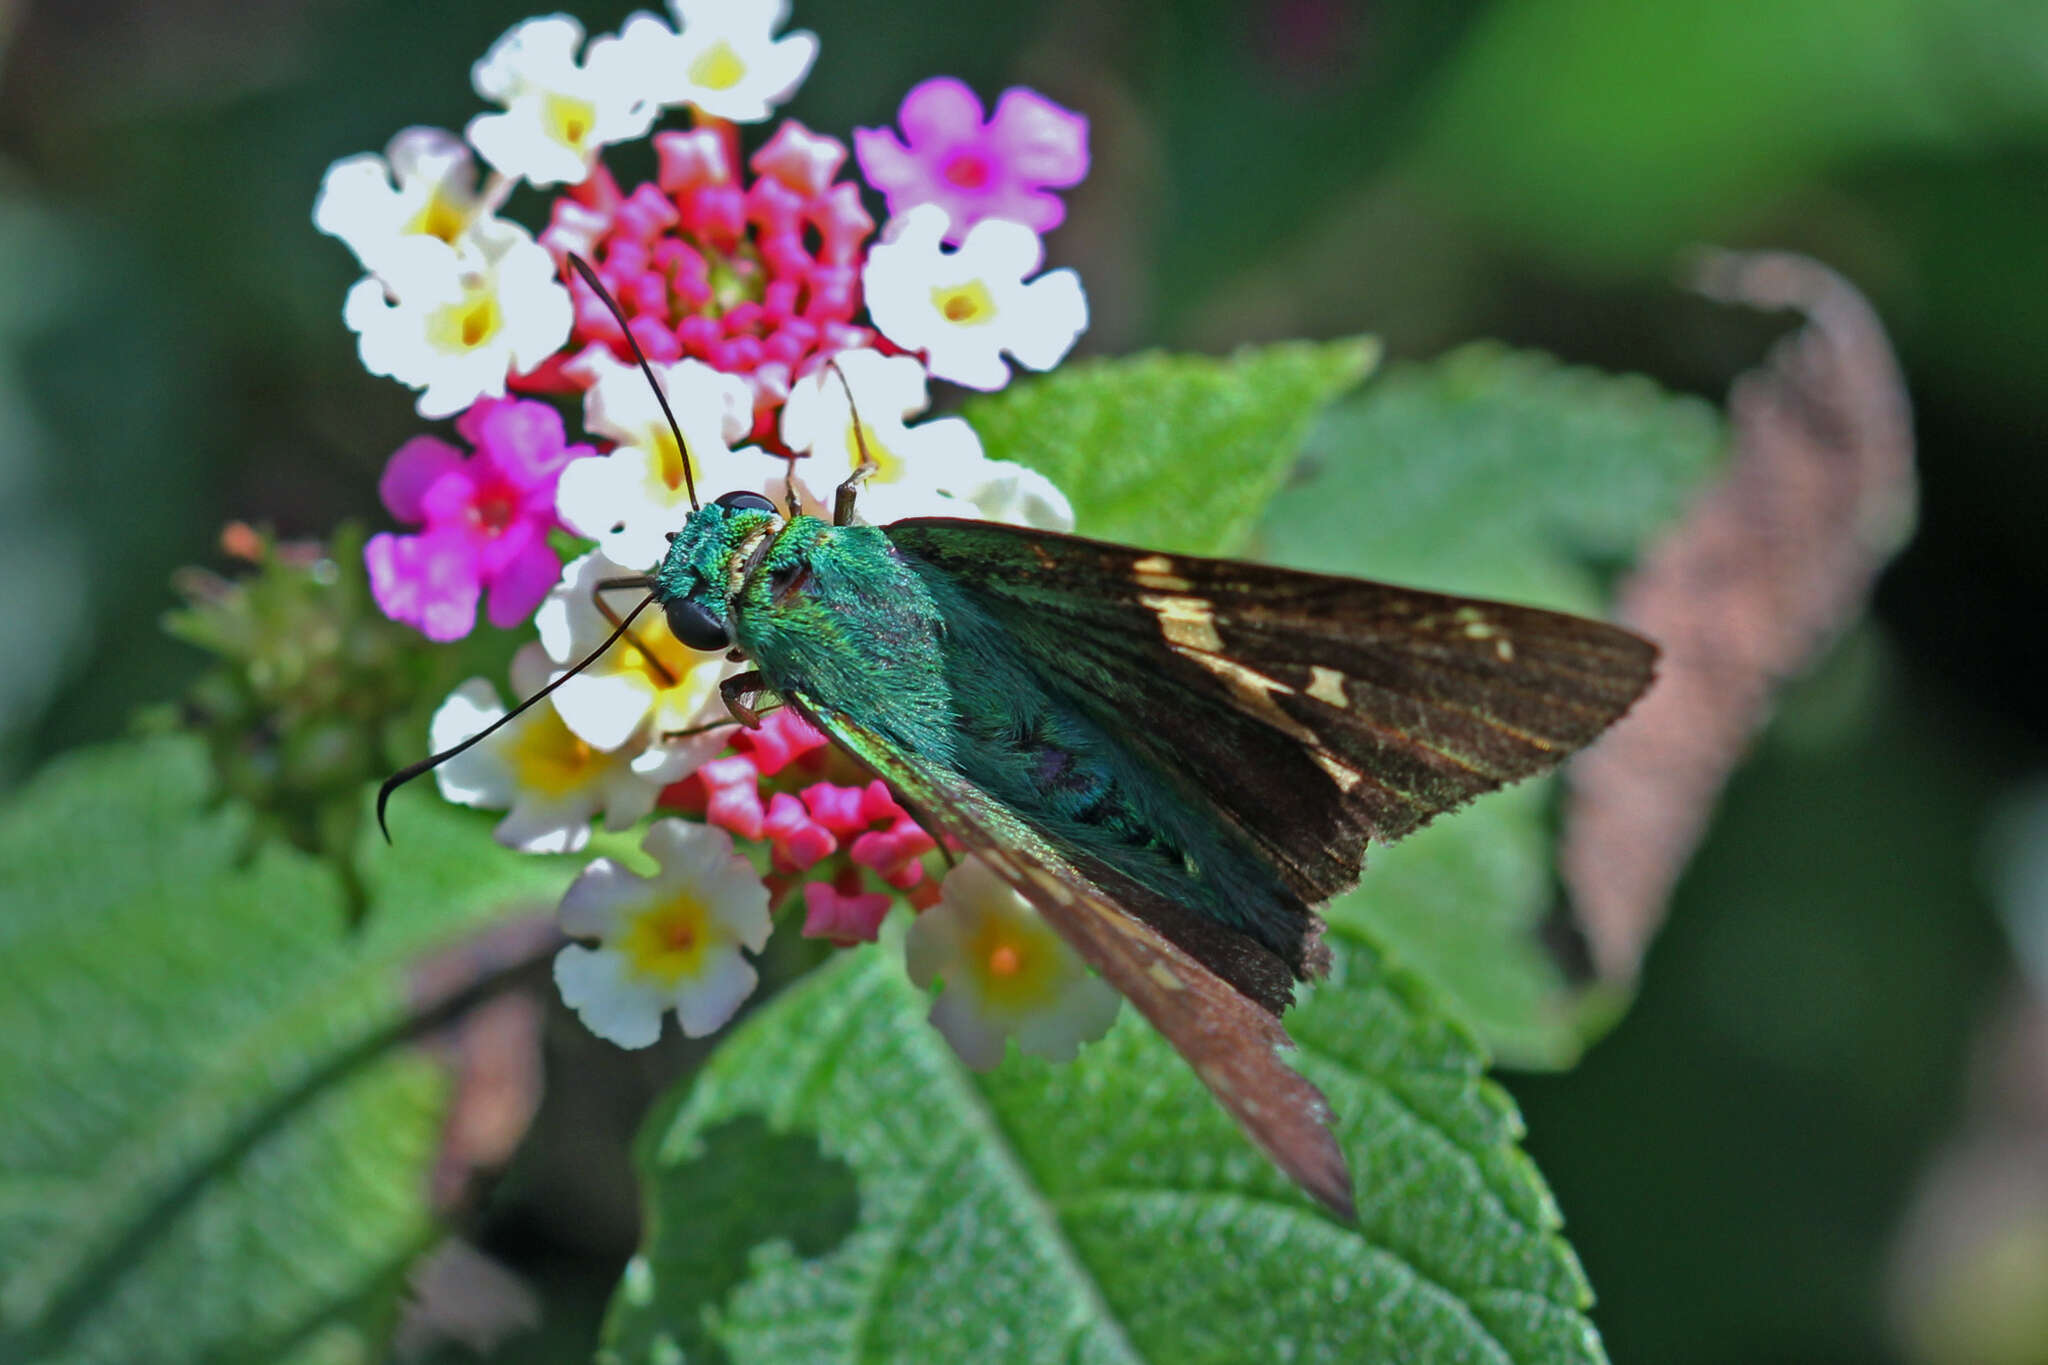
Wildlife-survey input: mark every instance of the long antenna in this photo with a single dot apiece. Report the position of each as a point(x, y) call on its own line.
point(412, 770)
point(860, 438)
point(842, 497)
point(597, 287)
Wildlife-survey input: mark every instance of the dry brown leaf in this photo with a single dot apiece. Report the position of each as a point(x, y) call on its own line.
point(1744, 591)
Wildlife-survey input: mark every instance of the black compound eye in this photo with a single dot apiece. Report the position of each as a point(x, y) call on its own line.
point(692, 622)
point(743, 501)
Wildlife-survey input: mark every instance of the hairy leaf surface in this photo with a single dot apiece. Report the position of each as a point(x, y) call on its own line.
point(213, 1147)
point(1101, 1211)
point(1171, 452)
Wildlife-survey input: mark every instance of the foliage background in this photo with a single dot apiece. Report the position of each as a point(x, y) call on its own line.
point(1819, 1133)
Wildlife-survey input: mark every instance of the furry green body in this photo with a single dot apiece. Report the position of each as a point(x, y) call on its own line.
point(903, 650)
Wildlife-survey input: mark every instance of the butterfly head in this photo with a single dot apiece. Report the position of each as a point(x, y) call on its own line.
point(719, 549)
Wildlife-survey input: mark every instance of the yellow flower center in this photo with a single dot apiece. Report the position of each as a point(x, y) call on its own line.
point(890, 464)
point(547, 757)
point(662, 663)
point(665, 470)
point(439, 217)
point(967, 305)
point(669, 940)
point(568, 120)
point(1018, 963)
point(718, 67)
point(466, 325)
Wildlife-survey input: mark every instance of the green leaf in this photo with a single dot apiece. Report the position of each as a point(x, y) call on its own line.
point(1619, 132)
point(1174, 452)
point(836, 1187)
point(1493, 473)
point(213, 1147)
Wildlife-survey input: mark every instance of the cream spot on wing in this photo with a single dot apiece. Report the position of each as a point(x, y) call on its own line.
point(1327, 684)
point(1254, 693)
point(1051, 885)
point(1156, 572)
point(1505, 650)
point(1129, 925)
point(1163, 976)
point(1189, 622)
point(1343, 774)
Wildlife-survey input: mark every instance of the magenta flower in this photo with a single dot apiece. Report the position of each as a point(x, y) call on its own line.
point(975, 170)
point(484, 520)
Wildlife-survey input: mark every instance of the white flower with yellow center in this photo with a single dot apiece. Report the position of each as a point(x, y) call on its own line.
point(726, 61)
point(558, 113)
point(632, 498)
point(1006, 973)
point(423, 186)
point(648, 681)
point(964, 308)
point(928, 470)
point(549, 781)
point(453, 321)
point(670, 941)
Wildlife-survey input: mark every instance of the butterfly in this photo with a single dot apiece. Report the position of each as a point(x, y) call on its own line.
point(1174, 759)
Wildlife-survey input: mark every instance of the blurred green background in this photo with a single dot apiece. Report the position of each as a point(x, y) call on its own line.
point(1821, 1134)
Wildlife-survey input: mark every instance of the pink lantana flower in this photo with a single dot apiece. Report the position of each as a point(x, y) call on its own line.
point(974, 169)
point(798, 840)
point(842, 917)
point(758, 278)
point(783, 738)
point(484, 521)
point(895, 854)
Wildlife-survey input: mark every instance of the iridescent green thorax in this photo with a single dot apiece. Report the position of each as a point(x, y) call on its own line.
point(844, 614)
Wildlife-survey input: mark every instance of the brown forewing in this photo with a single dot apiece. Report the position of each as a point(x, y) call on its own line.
point(1315, 713)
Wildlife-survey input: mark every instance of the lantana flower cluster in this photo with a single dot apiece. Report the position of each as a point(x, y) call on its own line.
point(762, 292)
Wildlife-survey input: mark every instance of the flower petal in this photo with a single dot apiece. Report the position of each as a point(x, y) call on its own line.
point(941, 110)
point(705, 1003)
point(597, 985)
point(428, 582)
point(1056, 314)
point(1041, 142)
point(975, 1039)
point(520, 585)
point(1086, 1011)
point(600, 898)
point(412, 470)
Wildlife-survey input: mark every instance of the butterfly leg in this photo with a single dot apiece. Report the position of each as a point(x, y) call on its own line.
point(605, 609)
point(842, 500)
point(789, 497)
point(741, 694)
